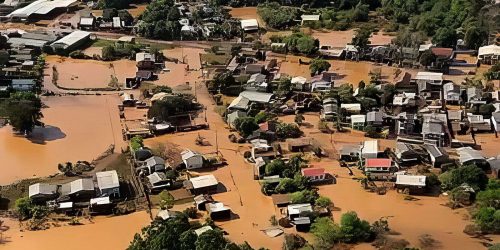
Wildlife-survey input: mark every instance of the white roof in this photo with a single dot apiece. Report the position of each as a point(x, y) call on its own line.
point(117, 22)
point(489, 50)
point(467, 154)
point(144, 56)
point(249, 24)
point(204, 181)
point(357, 118)
point(216, 207)
point(257, 96)
point(425, 47)
point(298, 208)
point(201, 230)
point(107, 179)
point(41, 7)
point(80, 185)
point(100, 201)
point(370, 147)
point(278, 44)
point(411, 180)
point(72, 38)
point(351, 106)
point(310, 17)
point(66, 205)
point(350, 48)
point(299, 79)
point(42, 188)
point(86, 21)
point(188, 153)
point(433, 76)
point(164, 214)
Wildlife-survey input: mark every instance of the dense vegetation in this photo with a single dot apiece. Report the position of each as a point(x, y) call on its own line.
point(276, 16)
point(178, 233)
point(23, 110)
point(487, 215)
point(298, 42)
point(170, 106)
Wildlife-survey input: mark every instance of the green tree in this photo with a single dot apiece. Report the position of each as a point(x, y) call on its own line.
point(284, 86)
point(475, 37)
point(262, 117)
point(445, 37)
point(275, 167)
point(188, 240)
point(354, 229)
point(469, 174)
point(211, 240)
point(170, 106)
point(245, 125)
point(222, 80)
point(317, 66)
point(427, 58)
point(360, 13)
point(488, 219)
point(161, 235)
point(288, 130)
point(323, 201)
point(285, 186)
point(24, 111)
point(108, 52)
point(24, 207)
point(304, 196)
point(361, 38)
point(327, 233)
point(307, 45)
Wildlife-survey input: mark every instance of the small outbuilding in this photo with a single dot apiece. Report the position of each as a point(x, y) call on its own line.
point(108, 183)
point(410, 183)
point(217, 211)
point(81, 188)
point(204, 184)
point(41, 192)
point(192, 159)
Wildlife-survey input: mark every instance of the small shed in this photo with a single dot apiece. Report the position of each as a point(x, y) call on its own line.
point(299, 144)
point(23, 84)
point(302, 224)
point(369, 149)
point(249, 25)
point(192, 159)
point(108, 183)
point(72, 41)
point(314, 174)
point(217, 211)
point(378, 165)
point(358, 121)
point(201, 185)
point(81, 188)
point(154, 164)
point(410, 183)
point(295, 210)
point(201, 200)
point(41, 192)
point(281, 200)
point(158, 181)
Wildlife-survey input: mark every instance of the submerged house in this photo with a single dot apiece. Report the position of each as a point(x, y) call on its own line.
point(314, 174)
point(217, 211)
point(204, 184)
point(429, 85)
point(489, 54)
point(80, 189)
point(376, 167)
point(410, 183)
point(108, 183)
point(72, 41)
point(437, 155)
point(192, 159)
point(41, 192)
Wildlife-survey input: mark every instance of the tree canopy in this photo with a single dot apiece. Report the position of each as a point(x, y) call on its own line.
point(317, 66)
point(24, 111)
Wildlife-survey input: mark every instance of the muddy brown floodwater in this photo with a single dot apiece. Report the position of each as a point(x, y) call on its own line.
point(76, 128)
point(103, 233)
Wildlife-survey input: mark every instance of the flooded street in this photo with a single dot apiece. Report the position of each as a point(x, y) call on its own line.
point(76, 128)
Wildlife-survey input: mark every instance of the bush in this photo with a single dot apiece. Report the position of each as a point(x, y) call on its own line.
point(354, 229)
point(77, 54)
point(166, 200)
point(24, 207)
point(275, 167)
point(191, 212)
point(136, 143)
point(488, 219)
point(304, 196)
point(323, 202)
point(245, 125)
point(469, 174)
point(288, 130)
point(317, 66)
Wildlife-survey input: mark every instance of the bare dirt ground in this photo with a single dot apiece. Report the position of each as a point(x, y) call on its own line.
point(77, 73)
point(81, 237)
point(76, 128)
point(247, 13)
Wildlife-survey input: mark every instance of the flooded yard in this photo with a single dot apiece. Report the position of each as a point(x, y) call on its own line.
point(104, 233)
point(77, 73)
point(76, 128)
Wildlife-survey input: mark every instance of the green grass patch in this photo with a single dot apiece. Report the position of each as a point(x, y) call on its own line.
point(102, 43)
point(215, 59)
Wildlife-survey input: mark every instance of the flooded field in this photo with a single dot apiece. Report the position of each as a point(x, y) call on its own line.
point(77, 73)
point(76, 128)
point(103, 233)
point(350, 71)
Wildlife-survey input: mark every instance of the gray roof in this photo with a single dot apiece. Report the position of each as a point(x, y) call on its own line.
point(156, 177)
point(72, 38)
point(375, 116)
point(40, 36)
point(240, 102)
point(455, 114)
point(16, 41)
point(468, 154)
point(154, 160)
point(77, 186)
point(432, 126)
point(42, 189)
point(257, 96)
point(231, 118)
point(186, 154)
point(257, 78)
point(107, 179)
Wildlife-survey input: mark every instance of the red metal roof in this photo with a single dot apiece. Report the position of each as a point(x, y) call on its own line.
point(442, 52)
point(313, 171)
point(378, 162)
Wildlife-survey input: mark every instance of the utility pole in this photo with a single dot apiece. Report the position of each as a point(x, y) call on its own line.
point(216, 142)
